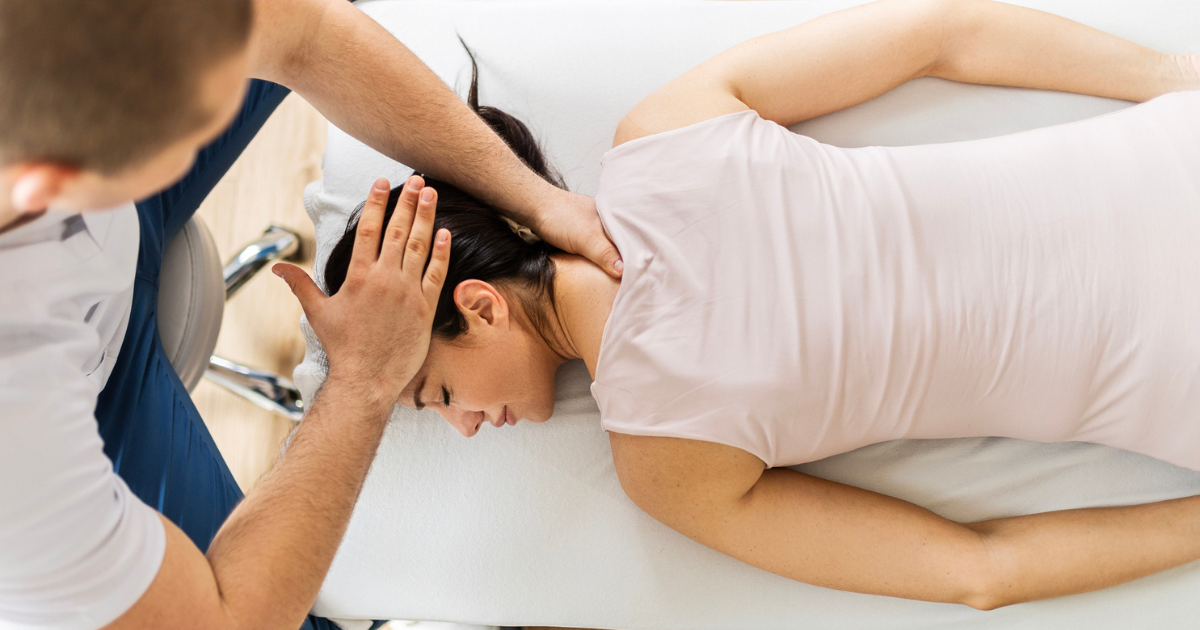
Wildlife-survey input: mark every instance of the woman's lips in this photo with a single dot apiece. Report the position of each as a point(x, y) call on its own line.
point(509, 418)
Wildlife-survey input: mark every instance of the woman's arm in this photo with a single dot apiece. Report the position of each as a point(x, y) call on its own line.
point(829, 534)
point(850, 56)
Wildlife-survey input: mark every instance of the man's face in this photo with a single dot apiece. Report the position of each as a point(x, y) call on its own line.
point(222, 90)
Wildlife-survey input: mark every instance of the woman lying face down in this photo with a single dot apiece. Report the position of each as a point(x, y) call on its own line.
point(496, 340)
point(498, 337)
point(785, 300)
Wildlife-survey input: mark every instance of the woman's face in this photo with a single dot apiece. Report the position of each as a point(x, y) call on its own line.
point(498, 373)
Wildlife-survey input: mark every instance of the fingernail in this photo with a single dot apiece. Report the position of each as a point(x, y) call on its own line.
point(619, 266)
point(443, 236)
point(381, 184)
point(427, 195)
point(277, 271)
point(416, 183)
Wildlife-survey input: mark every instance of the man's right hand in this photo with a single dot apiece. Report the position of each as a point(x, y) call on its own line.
point(375, 330)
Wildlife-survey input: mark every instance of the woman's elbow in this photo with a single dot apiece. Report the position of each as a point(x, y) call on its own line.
point(989, 579)
point(980, 590)
point(984, 600)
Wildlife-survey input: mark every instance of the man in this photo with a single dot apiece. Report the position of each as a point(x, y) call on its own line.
point(104, 102)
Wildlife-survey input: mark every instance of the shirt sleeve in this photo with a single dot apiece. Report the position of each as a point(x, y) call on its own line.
point(77, 548)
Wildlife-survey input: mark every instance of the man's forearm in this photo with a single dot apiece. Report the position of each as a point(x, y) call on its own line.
point(278, 544)
point(370, 85)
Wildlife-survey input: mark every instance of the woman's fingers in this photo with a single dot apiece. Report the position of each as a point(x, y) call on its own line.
point(400, 225)
point(439, 262)
point(417, 249)
point(370, 224)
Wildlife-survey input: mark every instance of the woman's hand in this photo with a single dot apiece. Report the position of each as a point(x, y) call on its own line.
point(569, 222)
point(375, 330)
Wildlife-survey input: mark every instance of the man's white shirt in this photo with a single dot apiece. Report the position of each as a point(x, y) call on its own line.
point(77, 548)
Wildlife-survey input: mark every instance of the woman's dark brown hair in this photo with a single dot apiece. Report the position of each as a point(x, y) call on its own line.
point(483, 245)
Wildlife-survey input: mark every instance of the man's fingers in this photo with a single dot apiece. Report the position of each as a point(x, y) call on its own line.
point(305, 290)
point(370, 224)
point(435, 274)
point(417, 249)
point(602, 252)
point(400, 225)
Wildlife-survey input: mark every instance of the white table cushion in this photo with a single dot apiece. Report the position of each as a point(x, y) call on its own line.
point(528, 525)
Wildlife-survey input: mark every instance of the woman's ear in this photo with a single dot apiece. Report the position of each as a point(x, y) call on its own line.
point(481, 302)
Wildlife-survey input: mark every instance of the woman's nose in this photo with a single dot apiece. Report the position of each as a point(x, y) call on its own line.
point(466, 422)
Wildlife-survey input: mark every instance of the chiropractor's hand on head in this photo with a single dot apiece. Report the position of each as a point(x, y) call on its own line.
point(570, 223)
point(375, 330)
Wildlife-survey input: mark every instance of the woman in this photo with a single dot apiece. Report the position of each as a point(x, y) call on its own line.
point(784, 300)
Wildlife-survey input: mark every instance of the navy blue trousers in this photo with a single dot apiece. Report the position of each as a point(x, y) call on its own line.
point(151, 430)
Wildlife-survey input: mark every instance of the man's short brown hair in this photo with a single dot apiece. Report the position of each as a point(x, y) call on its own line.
point(105, 84)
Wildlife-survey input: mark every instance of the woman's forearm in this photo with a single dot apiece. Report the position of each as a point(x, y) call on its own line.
point(829, 534)
point(1000, 44)
point(1075, 551)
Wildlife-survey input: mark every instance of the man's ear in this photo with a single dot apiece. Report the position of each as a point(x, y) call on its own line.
point(36, 185)
point(481, 301)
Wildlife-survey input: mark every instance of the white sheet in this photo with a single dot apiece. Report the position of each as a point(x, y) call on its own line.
point(527, 525)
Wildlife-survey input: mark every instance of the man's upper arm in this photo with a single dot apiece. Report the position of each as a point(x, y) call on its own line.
point(184, 593)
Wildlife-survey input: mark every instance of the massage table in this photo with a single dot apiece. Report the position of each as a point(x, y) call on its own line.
point(528, 525)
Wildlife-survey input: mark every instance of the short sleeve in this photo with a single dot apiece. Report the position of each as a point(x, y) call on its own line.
point(77, 548)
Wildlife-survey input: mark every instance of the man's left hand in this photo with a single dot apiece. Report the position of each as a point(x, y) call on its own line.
point(572, 225)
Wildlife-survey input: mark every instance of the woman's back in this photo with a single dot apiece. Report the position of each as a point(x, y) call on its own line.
point(797, 300)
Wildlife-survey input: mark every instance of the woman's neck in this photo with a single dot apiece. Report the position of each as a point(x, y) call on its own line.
point(583, 299)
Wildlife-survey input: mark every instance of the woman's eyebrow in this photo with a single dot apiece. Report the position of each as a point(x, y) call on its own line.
point(417, 402)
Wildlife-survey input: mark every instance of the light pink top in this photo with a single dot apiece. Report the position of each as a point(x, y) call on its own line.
point(798, 300)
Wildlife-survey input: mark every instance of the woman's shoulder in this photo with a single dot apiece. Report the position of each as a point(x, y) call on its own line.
point(722, 145)
point(633, 139)
point(635, 126)
point(681, 103)
point(656, 472)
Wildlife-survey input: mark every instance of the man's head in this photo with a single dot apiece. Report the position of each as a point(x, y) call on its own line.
point(102, 102)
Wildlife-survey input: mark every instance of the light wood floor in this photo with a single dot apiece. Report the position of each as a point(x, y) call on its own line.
point(260, 329)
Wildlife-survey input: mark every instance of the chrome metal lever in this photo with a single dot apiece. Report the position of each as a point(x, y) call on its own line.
point(275, 244)
point(269, 391)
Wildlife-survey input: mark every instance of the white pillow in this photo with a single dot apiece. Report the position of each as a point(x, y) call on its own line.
point(527, 525)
